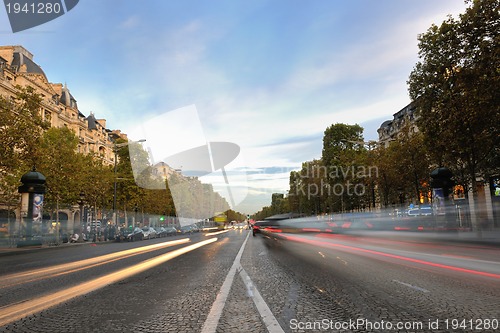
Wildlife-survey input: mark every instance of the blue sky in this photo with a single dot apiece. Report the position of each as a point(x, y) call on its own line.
point(269, 76)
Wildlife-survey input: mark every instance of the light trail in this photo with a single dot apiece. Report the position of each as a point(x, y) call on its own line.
point(394, 256)
point(26, 308)
point(216, 233)
point(62, 269)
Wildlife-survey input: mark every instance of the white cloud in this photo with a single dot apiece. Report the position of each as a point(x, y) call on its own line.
point(130, 23)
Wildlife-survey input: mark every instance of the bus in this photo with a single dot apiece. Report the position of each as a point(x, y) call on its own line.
point(220, 220)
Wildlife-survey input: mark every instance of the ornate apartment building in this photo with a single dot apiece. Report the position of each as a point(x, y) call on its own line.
point(390, 129)
point(488, 189)
point(59, 108)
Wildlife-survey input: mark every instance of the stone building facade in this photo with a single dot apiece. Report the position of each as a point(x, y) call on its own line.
point(59, 108)
point(390, 129)
point(487, 207)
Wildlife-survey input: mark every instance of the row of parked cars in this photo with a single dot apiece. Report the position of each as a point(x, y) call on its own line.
point(149, 232)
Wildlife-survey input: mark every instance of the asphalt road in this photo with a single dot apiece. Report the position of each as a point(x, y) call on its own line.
point(412, 284)
point(233, 282)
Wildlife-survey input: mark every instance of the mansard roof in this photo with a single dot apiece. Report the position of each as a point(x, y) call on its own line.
point(20, 59)
point(386, 123)
point(92, 122)
point(68, 99)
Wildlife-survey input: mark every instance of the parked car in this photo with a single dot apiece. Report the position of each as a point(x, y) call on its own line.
point(187, 229)
point(121, 235)
point(135, 235)
point(424, 210)
point(149, 232)
point(161, 232)
point(171, 231)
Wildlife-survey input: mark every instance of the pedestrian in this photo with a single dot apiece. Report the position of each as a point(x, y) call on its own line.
point(74, 238)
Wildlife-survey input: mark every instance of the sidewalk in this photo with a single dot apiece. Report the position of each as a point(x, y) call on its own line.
point(5, 250)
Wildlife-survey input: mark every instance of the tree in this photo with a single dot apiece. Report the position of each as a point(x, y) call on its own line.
point(279, 203)
point(97, 180)
point(21, 128)
point(456, 88)
point(294, 198)
point(62, 166)
point(410, 164)
point(336, 142)
point(128, 194)
point(346, 167)
point(389, 178)
point(234, 216)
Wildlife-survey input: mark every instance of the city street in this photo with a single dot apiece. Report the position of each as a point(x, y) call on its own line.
point(250, 166)
point(272, 282)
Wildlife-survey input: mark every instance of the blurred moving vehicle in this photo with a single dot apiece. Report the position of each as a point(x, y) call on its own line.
point(264, 225)
point(275, 223)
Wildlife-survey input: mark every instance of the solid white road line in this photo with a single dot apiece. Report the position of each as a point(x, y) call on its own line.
point(412, 286)
point(210, 325)
point(268, 318)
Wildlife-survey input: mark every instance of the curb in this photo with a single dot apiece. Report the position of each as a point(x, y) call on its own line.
point(9, 251)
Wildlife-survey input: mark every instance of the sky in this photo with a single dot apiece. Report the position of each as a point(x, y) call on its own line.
point(268, 76)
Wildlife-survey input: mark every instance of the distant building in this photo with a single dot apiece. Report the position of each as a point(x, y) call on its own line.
point(391, 129)
point(163, 170)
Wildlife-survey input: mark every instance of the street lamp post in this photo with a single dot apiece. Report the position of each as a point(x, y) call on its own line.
point(136, 209)
point(81, 202)
point(115, 150)
point(116, 147)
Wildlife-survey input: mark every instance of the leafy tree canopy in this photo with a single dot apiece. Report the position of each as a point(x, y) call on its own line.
point(456, 87)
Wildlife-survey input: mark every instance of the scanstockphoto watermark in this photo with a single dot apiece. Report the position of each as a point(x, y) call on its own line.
point(351, 325)
point(430, 325)
point(334, 181)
